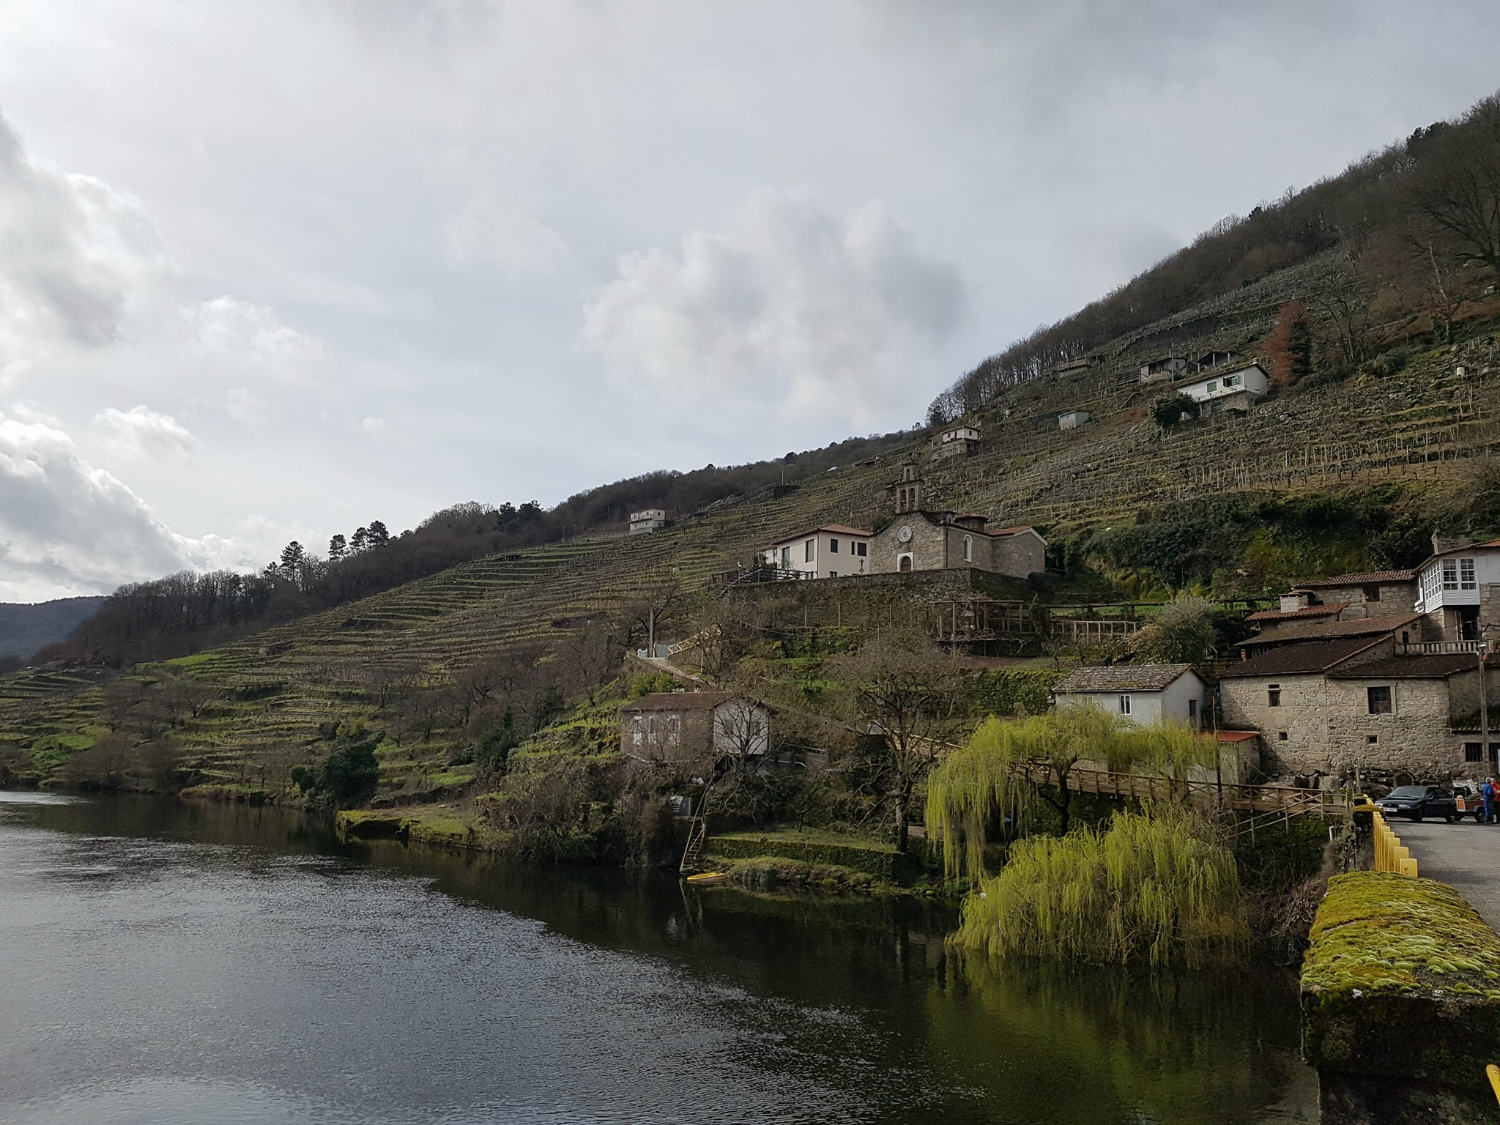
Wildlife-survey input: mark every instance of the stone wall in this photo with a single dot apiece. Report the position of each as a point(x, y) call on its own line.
point(928, 545)
point(1394, 598)
point(1329, 729)
point(1018, 555)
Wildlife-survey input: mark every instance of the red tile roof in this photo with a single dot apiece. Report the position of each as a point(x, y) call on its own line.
point(1237, 735)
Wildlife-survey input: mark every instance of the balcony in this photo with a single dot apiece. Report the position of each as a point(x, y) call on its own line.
point(1440, 648)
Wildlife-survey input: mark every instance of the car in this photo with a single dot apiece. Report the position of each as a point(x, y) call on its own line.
point(1418, 801)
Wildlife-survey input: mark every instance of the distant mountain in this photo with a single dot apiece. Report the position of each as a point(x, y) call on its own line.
point(26, 628)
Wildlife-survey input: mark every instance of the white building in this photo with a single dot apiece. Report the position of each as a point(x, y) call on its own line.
point(647, 519)
point(1139, 693)
point(1072, 419)
point(1458, 590)
point(830, 551)
point(1228, 389)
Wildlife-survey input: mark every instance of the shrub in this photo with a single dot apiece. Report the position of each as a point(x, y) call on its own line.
point(348, 776)
point(1168, 412)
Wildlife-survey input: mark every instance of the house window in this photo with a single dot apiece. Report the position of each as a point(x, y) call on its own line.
point(861, 549)
point(1231, 380)
point(1371, 593)
point(1450, 574)
point(968, 548)
point(1192, 708)
point(1371, 739)
point(1213, 385)
point(1378, 700)
point(833, 574)
point(833, 546)
point(904, 563)
point(1273, 695)
point(810, 550)
point(1124, 704)
point(1473, 751)
point(786, 558)
point(1281, 736)
point(1466, 575)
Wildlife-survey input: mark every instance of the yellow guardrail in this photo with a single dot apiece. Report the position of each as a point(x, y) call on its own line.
point(1390, 853)
point(1494, 1072)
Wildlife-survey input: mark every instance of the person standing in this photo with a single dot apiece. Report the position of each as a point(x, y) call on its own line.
point(1488, 793)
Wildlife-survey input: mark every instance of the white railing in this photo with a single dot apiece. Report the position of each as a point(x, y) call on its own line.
point(1440, 648)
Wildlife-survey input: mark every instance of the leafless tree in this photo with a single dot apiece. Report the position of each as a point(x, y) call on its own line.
point(909, 693)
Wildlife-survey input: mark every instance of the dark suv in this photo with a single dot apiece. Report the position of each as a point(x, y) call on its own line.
point(1417, 801)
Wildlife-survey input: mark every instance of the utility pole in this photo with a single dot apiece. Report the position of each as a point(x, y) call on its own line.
point(1484, 714)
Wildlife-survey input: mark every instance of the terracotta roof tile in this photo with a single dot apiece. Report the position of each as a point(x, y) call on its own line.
point(1438, 666)
point(678, 701)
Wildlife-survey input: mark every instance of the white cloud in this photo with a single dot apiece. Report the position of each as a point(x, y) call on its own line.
point(69, 527)
point(147, 433)
point(231, 335)
point(73, 252)
point(518, 244)
point(373, 427)
point(830, 316)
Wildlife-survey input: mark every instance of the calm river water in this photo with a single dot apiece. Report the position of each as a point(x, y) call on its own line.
point(172, 963)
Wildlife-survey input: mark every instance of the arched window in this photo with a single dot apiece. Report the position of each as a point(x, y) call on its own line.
point(968, 548)
point(905, 563)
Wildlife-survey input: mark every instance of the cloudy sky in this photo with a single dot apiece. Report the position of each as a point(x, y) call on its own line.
point(271, 270)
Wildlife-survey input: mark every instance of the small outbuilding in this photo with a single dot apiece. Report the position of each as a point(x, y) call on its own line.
point(693, 728)
point(1138, 693)
point(1072, 419)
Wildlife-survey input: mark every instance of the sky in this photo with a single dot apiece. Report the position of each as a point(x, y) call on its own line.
point(270, 271)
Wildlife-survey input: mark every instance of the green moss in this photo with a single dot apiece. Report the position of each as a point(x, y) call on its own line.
point(1389, 933)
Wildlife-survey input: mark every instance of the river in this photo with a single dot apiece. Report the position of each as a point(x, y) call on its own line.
point(179, 964)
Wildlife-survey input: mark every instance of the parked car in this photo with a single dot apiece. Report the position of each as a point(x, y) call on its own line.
point(1418, 801)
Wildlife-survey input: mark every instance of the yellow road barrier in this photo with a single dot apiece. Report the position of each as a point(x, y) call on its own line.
point(1390, 853)
point(1494, 1072)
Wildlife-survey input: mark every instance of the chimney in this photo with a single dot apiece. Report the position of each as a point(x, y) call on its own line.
point(1441, 542)
point(1294, 601)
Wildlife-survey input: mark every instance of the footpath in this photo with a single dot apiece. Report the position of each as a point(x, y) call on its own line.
point(1465, 855)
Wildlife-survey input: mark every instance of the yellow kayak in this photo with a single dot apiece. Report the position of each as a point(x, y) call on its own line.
point(708, 878)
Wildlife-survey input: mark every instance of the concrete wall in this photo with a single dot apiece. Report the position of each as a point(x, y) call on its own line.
point(834, 555)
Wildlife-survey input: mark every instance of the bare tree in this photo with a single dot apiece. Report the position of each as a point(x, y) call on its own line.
point(909, 694)
point(1456, 183)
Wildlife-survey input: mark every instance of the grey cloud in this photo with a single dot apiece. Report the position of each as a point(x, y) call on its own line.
point(823, 315)
point(68, 526)
point(70, 252)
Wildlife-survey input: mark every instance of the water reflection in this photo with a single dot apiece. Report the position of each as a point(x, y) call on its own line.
point(162, 954)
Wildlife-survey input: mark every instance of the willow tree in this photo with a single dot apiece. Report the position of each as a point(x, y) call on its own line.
point(1151, 887)
point(1009, 765)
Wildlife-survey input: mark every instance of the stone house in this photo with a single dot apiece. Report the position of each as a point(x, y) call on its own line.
point(956, 441)
point(922, 540)
point(1346, 694)
point(1375, 593)
point(692, 729)
point(829, 551)
point(647, 520)
point(1072, 419)
point(1139, 693)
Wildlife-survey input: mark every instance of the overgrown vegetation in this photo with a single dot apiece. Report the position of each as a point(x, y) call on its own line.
point(1149, 888)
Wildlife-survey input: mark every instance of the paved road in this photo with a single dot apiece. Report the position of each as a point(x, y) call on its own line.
point(1465, 855)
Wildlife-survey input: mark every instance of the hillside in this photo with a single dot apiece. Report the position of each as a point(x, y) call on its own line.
point(24, 629)
point(1347, 465)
